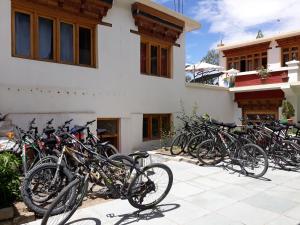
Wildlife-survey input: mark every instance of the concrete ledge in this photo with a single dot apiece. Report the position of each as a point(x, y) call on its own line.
point(206, 86)
point(260, 87)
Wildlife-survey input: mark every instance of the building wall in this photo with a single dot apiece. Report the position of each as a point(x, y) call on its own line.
point(115, 88)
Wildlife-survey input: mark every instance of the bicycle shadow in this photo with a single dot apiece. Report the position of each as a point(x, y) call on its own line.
point(148, 214)
point(85, 221)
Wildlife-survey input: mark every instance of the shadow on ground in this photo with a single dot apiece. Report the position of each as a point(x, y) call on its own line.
point(148, 214)
point(85, 221)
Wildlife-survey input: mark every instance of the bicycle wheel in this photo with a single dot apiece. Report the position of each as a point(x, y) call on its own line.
point(38, 189)
point(193, 145)
point(178, 144)
point(150, 187)
point(47, 159)
point(253, 160)
point(209, 153)
point(69, 205)
point(288, 155)
point(109, 150)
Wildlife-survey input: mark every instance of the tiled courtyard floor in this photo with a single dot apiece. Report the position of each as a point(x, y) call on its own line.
point(209, 196)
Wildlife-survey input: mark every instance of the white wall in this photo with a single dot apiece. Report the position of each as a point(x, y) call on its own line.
point(116, 88)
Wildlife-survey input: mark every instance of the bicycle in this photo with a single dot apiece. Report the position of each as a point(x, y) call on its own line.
point(248, 159)
point(135, 185)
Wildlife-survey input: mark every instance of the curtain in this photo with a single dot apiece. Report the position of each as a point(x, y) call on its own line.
point(84, 46)
point(66, 43)
point(45, 38)
point(22, 34)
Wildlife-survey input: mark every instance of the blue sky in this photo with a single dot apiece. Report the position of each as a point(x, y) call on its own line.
point(234, 21)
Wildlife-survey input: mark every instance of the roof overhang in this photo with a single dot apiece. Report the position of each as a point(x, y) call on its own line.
point(93, 10)
point(259, 40)
point(189, 24)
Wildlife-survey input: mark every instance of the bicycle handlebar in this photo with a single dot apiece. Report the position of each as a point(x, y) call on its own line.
point(90, 122)
point(50, 121)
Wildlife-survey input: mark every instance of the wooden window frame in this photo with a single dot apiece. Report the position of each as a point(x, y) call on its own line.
point(149, 118)
point(290, 53)
point(117, 135)
point(13, 33)
point(55, 39)
point(36, 11)
point(159, 44)
point(249, 58)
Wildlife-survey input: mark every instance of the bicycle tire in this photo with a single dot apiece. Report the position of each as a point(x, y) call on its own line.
point(133, 186)
point(26, 191)
point(209, 153)
point(178, 144)
point(70, 203)
point(192, 146)
point(257, 152)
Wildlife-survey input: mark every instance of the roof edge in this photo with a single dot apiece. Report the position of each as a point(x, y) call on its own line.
point(259, 40)
point(190, 24)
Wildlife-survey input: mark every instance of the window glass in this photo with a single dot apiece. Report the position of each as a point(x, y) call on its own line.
point(165, 126)
point(155, 127)
point(45, 38)
point(143, 58)
point(145, 127)
point(66, 43)
point(264, 62)
point(85, 46)
point(22, 34)
point(164, 62)
point(154, 60)
point(285, 59)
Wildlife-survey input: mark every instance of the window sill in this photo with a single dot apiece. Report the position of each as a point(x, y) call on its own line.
point(152, 75)
point(151, 139)
point(53, 61)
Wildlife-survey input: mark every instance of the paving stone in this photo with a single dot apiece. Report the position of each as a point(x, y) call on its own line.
point(210, 200)
point(283, 220)
point(248, 214)
point(271, 203)
point(235, 192)
point(183, 190)
point(186, 212)
point(285, 193)
point(214, 219)
point(294, 213)
point(210, 182)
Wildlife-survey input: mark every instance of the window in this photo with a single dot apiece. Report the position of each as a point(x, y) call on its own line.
point(66, 42)
point(22, 34)
point(85, 53)
point(46, 50)
point(61, 39)
point(155, 58)
point(154, 125)
point(143, 58)
point(112, 127)
point(249, 62)
point(288, 54)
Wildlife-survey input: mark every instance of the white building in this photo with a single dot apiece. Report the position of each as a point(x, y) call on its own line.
point(121, 62)
point(254, 96)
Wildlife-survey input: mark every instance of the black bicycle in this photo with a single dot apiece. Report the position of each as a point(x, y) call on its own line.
point(143, 187)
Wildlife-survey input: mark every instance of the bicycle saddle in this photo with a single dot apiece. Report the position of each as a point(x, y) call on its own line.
point(229, 125)
point(140, 154)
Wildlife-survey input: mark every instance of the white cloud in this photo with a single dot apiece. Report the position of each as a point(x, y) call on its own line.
point(237, 20)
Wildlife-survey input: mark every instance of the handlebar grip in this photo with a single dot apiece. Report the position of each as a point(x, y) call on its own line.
point(68, 121)
point(50, 121)
point(90, 122)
